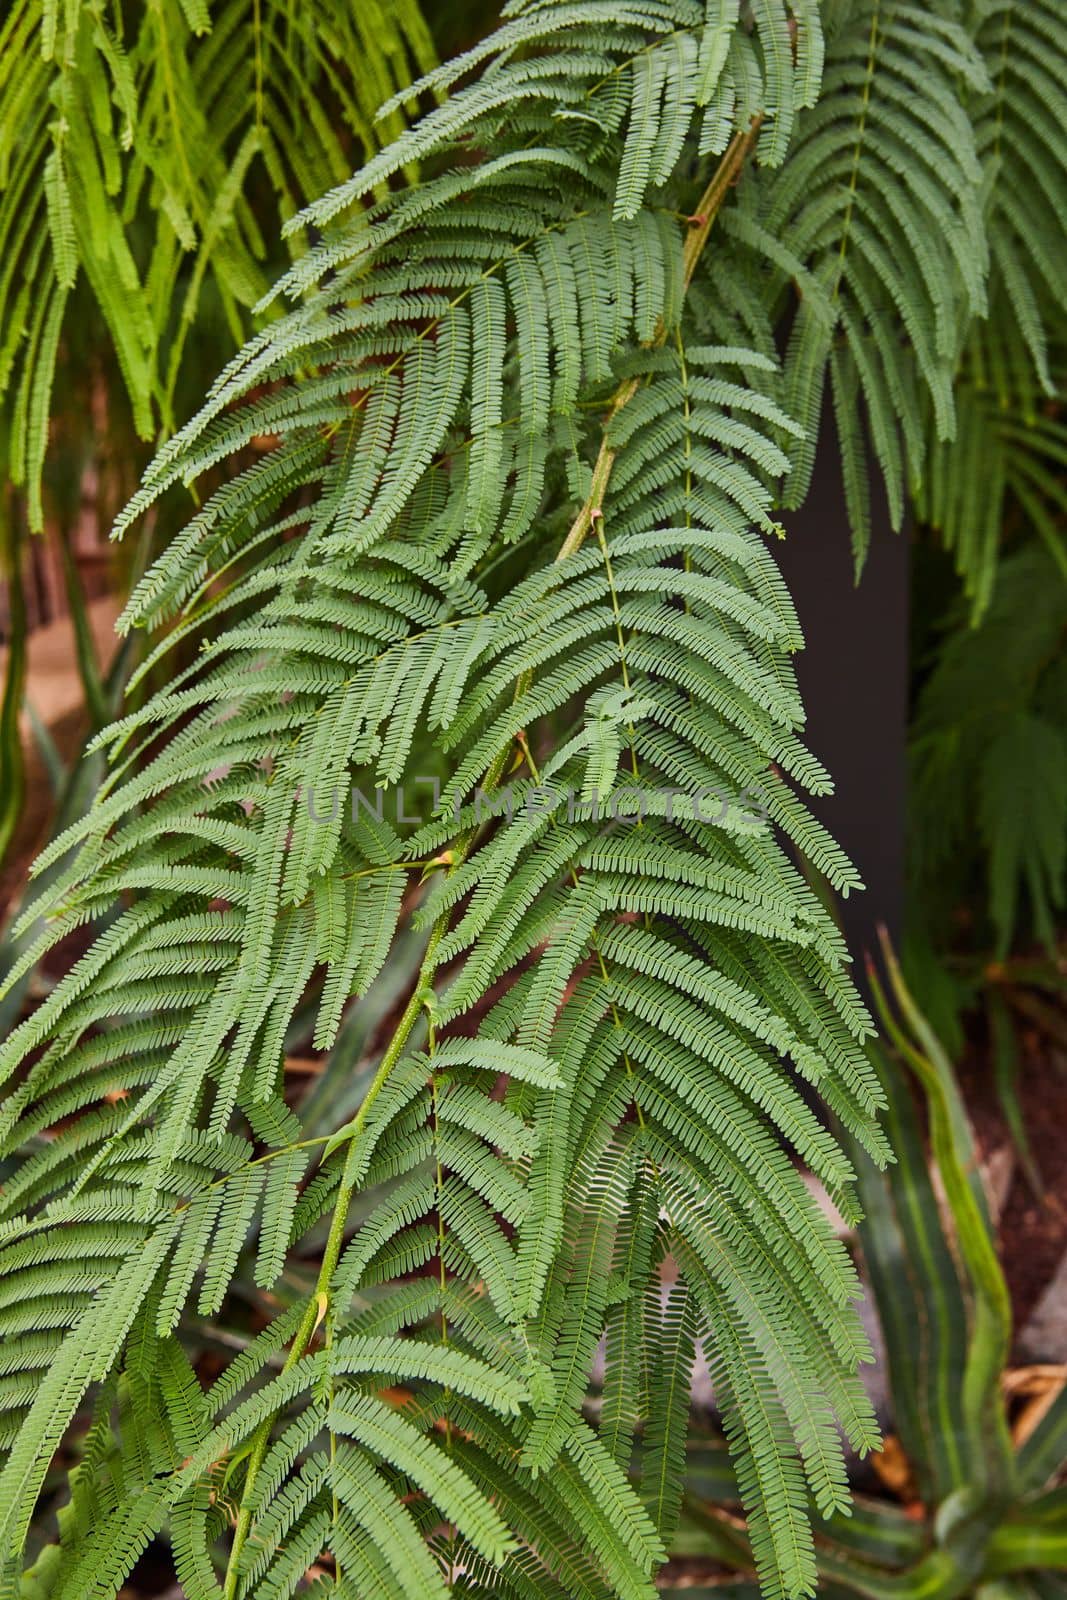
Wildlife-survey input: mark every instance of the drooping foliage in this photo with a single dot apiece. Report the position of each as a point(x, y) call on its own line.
point(136, 141)
point(1005, 461)
point(148, 156)
point(507, 545)
point(990, 727)
point(988, 811)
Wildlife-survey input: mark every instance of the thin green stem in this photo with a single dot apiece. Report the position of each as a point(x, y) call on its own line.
point(725, 177)
point(319, 1306)
point(861, 128)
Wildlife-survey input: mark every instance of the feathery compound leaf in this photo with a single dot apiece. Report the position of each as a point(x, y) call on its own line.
point(495, 650)
point(877, 217)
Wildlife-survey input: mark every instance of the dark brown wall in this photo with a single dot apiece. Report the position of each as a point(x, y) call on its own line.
point(853, 677)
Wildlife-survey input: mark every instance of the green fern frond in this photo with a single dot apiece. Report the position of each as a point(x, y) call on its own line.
point(878, 220)
point(493, 644)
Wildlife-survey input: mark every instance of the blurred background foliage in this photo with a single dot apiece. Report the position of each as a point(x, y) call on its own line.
point(149, 155)
point(149, 152)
